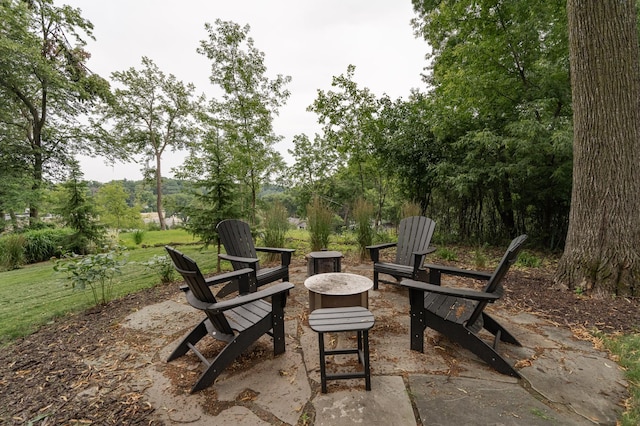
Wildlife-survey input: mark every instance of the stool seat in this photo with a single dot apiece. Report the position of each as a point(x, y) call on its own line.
point(355, 318)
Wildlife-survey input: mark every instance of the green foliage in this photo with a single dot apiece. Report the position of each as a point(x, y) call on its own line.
point(45, 86)
point(528, 260)
point(503, 125)
point(113, 208)
point(214, 194)
point(410, 209)
point(33, 296)
point(480, 257)
point(43, 244)
point(138, 236)
point(447, 254)
point(249, 103)
point(166, 121)
point(79, 213)
point(12, 251)
point(162, 266)
point(157, 238)
point(276, 225)
point(319, 221)
point(626, 348)
point(96, 271)
point(363, 214)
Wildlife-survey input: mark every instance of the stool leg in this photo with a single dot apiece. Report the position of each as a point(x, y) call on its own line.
point(367, 371)
point(323, 371)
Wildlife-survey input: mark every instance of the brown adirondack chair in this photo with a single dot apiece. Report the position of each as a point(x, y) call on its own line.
point(236, 238)
point(239, 321)
point(458, 313)
point(414, 236)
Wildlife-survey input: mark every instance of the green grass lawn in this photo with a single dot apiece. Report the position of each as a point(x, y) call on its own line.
point(35, 294)
point(157, 238)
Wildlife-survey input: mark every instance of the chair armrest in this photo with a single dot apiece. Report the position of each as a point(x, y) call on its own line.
point(428, 250)
point(285, 253)
point(226, 277)
point(374, 250)
point(450, 291)
point(275, 250)
point(467, 273)
point(381, 246)
point(418, 258)
point(249, 260)
point(225, 305)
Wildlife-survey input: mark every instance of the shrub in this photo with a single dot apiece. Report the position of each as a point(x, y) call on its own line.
point(410, 209)
point(319, 221)
point(447, 254)
point(276, 226)
point(97, 271)
point(138, 235)
point(528, 260)
point(162, 266)
point(363, 212)
point(43, 244)
point(12, 251)
point(480, 257)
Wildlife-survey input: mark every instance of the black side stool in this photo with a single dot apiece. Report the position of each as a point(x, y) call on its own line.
point(334, 320)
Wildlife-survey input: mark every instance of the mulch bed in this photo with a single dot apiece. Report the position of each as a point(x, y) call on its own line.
point(45, 379)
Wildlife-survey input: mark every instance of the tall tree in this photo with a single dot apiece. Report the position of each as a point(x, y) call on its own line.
point(209, 168)
point(601, 251)
point(345, 114)
point(79, 212)
point(44, 86)
point(249, 102)
point(501, 102)
point(152, 112)
point(111, 200)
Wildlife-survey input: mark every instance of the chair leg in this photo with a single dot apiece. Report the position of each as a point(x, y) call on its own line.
point(468, 340)
point(277, 319)
point(418, 324)
point(491, 325)
point(230, 352)
point(198, 332)
point(375, 280)
point(367, 365)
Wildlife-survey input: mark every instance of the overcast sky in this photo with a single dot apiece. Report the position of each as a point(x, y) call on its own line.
point(309, 40)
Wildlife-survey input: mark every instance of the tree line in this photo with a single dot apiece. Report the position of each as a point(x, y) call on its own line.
point(486, 148)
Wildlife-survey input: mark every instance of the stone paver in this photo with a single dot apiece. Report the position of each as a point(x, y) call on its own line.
point(565, 380)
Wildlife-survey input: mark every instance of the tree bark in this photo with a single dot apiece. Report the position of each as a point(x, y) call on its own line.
point(601, 252)
point(159, 206)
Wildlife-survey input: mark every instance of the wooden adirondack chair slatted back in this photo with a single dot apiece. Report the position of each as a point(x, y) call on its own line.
point(189, 270)
point(414, 234)
point(237, 240)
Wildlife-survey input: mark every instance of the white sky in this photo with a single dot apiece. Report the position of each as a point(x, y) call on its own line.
point(310, 40)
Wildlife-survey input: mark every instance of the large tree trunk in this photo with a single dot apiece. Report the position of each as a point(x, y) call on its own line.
point(601, 252)
point(159, 206)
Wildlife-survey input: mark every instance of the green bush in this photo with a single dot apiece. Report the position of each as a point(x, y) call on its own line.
point(162, 266)
point(96, 271)
point(363, 212)
point(138, 236)
point(528, 260)
point(447, 254)
point(12, 251)
point(276, 225)
point(319, 222)
point(43, 244)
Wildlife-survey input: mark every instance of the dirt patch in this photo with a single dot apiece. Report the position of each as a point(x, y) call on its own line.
point(71, 371)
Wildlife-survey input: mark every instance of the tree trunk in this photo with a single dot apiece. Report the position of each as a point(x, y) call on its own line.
point(601, 251)
point(163, 225)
